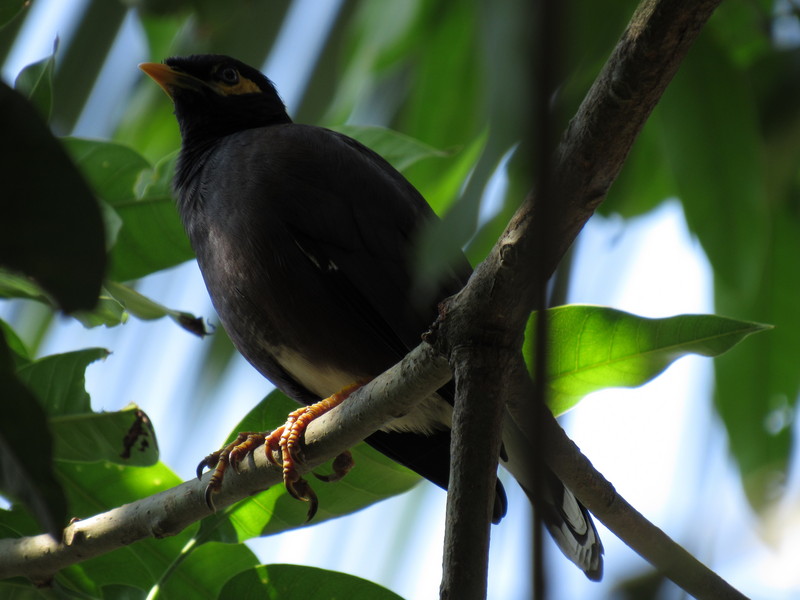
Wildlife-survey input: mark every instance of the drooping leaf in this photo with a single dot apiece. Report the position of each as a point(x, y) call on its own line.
point(714, 151)
point(757, 387)
point(594, 347)
point(146, 309)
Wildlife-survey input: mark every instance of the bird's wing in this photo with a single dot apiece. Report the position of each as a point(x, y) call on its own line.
point(357, 220)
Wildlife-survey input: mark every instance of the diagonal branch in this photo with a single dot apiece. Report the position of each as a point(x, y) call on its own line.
point(485, 321)
point(395, 392)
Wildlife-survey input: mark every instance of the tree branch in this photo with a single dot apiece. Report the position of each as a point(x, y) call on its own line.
point(489, 315)
point(392, 394)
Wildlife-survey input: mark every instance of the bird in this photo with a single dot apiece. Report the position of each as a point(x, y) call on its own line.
point(305, 239)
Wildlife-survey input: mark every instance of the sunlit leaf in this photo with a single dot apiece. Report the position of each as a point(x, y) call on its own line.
point(594, 347)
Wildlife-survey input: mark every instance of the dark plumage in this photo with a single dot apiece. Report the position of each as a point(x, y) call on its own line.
point(304, 237)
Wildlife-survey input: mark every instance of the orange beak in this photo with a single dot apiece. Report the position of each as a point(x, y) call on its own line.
point(169, 79)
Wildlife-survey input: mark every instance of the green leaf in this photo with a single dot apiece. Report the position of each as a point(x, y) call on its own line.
point(35, 82)
point(52, 228)
point(59, 380)
point(112, 169)
point(758, 386)
point(207, 569)
point(19, 286)
point(96, 487)
point(108, 312)
point(26, 472)
point(705, 140)
point(594, 347)
point(20, 355)
point(146, 309)
point(9, 9)
point(125, 437)
point(400, 150)
point(374, 478)
point(295, 581)
point(152, 238)
point(157, 183)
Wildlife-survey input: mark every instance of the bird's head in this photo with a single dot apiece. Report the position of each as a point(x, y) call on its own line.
point(216, 95)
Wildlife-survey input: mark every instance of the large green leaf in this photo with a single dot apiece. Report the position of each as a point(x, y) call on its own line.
point(59, 380)
point(152, 238)
point(52, 229)
point(293, 581)
point(758, 387)
point(112, 169)
point(124, 437)
point(373, 478)
point(594, 347)
point(26, 471)
point(709, 126)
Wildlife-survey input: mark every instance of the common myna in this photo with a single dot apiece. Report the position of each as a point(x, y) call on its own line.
point(305, 240)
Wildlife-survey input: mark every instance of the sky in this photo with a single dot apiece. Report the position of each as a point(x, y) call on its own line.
point(654, 443)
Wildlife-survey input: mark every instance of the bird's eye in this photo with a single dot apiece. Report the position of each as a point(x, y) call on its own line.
point(229, 75)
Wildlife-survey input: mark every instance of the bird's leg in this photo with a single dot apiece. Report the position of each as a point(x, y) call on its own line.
point(287, 440)
point(230, 454)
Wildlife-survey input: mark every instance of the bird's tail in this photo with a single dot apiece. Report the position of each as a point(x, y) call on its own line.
point(566, 519)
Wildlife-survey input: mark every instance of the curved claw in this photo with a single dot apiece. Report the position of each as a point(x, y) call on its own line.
point(209, 461)
point(300, 490)
point(341, 467)
point(209, 498)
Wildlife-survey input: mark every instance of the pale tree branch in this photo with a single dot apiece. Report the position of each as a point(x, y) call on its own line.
point(392, 394)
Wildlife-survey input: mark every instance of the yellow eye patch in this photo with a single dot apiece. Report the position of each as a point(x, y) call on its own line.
point(243, 86)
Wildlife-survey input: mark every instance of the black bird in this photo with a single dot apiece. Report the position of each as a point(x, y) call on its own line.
point(304, 238)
